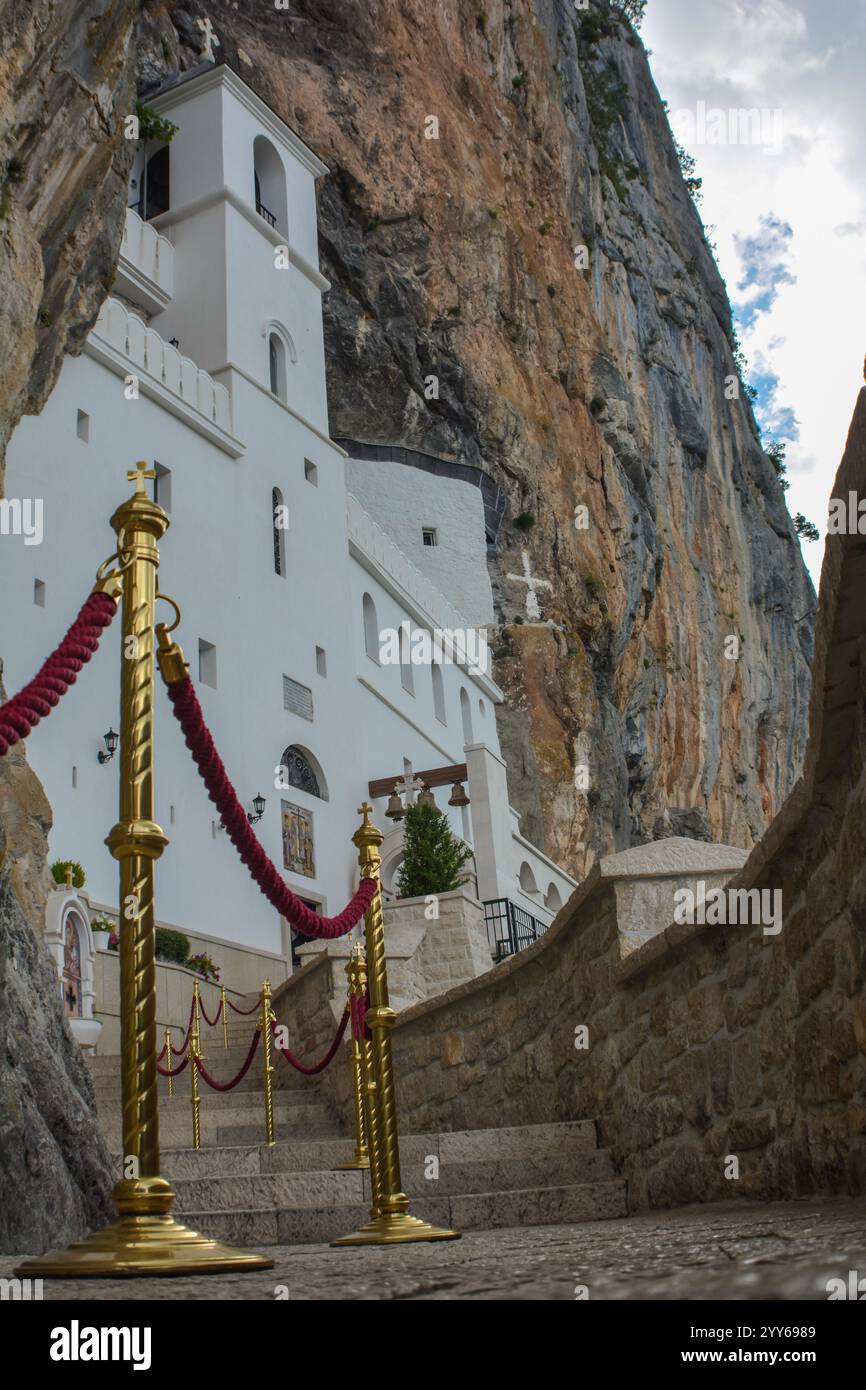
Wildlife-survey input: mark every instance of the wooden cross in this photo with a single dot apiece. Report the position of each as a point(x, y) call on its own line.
point(533, 611)
point(139, 474)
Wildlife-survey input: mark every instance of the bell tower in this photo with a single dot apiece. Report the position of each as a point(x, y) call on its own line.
point(241, 216)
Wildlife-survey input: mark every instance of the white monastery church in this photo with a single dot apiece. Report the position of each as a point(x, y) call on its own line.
point(291, 556)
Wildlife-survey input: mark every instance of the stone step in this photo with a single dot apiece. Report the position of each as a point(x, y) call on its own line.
point(518, 1141)
point(550, 1206)
point(322, 1188)
point(283, 1131)
point(240, 1097)
point(232, 1128)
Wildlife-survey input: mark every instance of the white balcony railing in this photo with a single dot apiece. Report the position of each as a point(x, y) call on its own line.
point(129, 335)
point(148, 252)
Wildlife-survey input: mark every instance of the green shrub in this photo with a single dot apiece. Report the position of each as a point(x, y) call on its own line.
point(58, 872)
point(172, 946)
point(432, 857)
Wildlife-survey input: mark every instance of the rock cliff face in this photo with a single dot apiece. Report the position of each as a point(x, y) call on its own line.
point(601, 386)
point(65, 81)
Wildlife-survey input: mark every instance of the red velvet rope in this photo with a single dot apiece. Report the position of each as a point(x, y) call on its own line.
point(221, 792)
point(24, 711)
point(163, 1071)
point(230, 1085)
point(211, 1022)
point(329, 1055)
point(245, 1012)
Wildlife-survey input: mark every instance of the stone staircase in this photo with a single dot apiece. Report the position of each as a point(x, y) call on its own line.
point(237, 1189)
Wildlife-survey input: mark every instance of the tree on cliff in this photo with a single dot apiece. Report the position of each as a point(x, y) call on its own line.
point(433, 859)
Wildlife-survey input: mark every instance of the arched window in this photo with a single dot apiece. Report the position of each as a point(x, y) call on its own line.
point(277, 365)
point(466, 713)
point(280, 521)
point(72, 951)
point(527, 880)
point(371, 630)
point(552, 898)
point(438, 692)
point(304, 772)
point(269, 182)
point(407, 675)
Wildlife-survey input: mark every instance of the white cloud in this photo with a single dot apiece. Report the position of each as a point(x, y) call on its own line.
point(805, 58)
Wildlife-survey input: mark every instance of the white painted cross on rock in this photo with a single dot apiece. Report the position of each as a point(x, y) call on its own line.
point(533, 612)
point(210, 38)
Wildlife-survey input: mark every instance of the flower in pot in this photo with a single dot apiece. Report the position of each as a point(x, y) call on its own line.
point(102, 929)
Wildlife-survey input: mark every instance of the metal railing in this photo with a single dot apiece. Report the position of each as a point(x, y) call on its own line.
point(264, 212)
point(510, 928)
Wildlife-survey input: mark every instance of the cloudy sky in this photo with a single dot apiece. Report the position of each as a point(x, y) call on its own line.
point(788, 207)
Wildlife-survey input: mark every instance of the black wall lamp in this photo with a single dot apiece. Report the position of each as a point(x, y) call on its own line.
point(259, 804)
point(110, 741)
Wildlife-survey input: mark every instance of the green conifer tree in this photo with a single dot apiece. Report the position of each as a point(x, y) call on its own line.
point(433, 859)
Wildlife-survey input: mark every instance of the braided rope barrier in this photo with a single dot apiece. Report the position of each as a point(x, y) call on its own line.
point(329, 1055)
point(40, 696)
point(211, 1022)
point(236, 1080)
point(245, 1012)
point(174, 1071)
point(189, 714)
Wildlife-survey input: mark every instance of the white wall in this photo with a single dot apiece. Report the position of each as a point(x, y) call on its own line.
point(217, 562)
point(403, 500)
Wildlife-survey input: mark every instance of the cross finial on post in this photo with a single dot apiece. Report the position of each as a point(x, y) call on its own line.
point(139, 474)
point(364, 810)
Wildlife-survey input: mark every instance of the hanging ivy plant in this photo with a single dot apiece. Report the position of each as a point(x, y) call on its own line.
point(152, 126)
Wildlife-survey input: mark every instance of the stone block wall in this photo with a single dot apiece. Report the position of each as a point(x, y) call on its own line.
point(705, 1043)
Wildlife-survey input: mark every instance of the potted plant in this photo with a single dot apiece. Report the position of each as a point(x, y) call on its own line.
point(102, 929)
point(204, 966)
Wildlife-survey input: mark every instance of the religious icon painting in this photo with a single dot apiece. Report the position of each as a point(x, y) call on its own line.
point(298, 844)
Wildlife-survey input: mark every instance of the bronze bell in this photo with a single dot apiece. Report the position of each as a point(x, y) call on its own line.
point(458, 795)
point(426, 798)
point(395, 809)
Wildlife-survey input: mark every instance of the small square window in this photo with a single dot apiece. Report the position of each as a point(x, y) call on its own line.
point(82, 426)
point(39, 593)
point(207, 670)
point(428, 535)
point(311, 473)
point(321, 661)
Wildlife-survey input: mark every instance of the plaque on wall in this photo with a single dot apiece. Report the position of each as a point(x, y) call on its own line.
point(298, 851)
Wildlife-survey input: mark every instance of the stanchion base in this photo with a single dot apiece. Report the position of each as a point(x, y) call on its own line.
point(355, 1163)
point(142, 1247)
point(396, 1228)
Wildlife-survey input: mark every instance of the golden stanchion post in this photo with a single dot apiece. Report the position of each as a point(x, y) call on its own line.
point(390, 1222)
point(356, 970)
point(267, 1017)
point(224, 1009)
point(146, 1240)
point(194, 1056)
point(168, 1059)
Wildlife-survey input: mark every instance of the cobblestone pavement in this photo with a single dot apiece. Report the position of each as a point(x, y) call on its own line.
point(785, 1250)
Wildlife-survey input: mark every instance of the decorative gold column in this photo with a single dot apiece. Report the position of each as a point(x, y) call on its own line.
point(356, 970)
point(146, 1240)
point(225, 1009)
point(194, 1050)
point(390, 1222)
point(266, 1019)
point(168, 1060)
